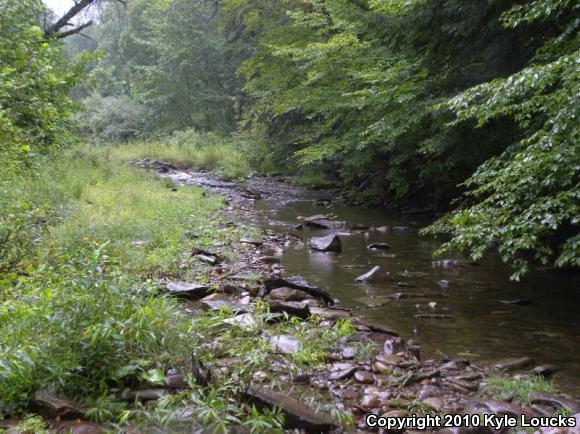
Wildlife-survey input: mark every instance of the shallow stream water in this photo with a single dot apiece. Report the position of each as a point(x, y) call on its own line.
point(477, 324)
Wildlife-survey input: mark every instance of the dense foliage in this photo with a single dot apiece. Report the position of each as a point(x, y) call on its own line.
point(406, 100)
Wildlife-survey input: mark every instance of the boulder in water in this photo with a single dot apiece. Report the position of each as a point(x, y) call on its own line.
point(329, 243)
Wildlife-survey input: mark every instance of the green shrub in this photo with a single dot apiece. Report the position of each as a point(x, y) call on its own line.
point(82, 328)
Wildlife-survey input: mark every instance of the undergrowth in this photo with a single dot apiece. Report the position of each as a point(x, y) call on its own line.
point(518, 389)
point(190, 150)
point(85, 240)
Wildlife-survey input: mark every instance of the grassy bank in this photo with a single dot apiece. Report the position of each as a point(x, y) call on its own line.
point(190, 150)
point(78, 313)
point(85, 242)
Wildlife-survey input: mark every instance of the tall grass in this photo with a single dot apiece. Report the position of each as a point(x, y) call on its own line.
point(191, 150)
point(76, 315)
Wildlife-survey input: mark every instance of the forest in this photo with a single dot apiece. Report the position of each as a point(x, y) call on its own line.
point(462, 115)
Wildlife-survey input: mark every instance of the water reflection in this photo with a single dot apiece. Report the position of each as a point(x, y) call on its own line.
point(468, 297)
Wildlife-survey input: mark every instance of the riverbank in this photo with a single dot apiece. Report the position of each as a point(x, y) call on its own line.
point(191, 321)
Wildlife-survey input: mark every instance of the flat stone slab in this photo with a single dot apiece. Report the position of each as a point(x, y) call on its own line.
point(298, 282)
point(514, 364)
point(297, 415)
point(187, 290)
point(53, 406)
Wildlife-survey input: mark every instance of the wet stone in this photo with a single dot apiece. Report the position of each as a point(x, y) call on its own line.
point(187, 290)
point(176, 381)
point(370, 276)
point(288, 294)
point(364, 377)
point(514, 364)
point(378, 246)
point(297, 282)
point(286, 344)
point(330, 314)
point(389, 359)
point(394, 346)
point(518, 302)
point(371, 401)
point(329, 243)
point(348, 352)
point(297, 415)
point(78, 427)
point(342, 374)
point(53, 406)
point(429, 391)
point(291, 308)
point(434, 402)
point(545, 371)
point(359, 227)
point(145, 394)
point(269, 259)
point(250, 241)
point(556, 402)
point(382, 368)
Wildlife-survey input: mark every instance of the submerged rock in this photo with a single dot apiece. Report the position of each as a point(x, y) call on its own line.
point(378, 246)
point(359, 227)
point(329, 243)
point(518, 302)
point(297, 415)
point(370, 276)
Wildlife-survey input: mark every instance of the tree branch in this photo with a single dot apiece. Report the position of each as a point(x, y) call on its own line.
point(74, 31)
point(66, 18)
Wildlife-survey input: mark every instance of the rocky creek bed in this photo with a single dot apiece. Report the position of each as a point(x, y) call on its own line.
point(372, 369)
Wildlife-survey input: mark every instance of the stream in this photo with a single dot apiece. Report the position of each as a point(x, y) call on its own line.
point(544, 324)
point(477, 311)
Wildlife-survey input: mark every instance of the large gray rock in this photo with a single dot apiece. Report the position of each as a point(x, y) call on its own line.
point(297, 282)
point(187, 290)
point(321, 221)
point(329, 243)
point(288, 294)
point(52, 406)
point(297, 415)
